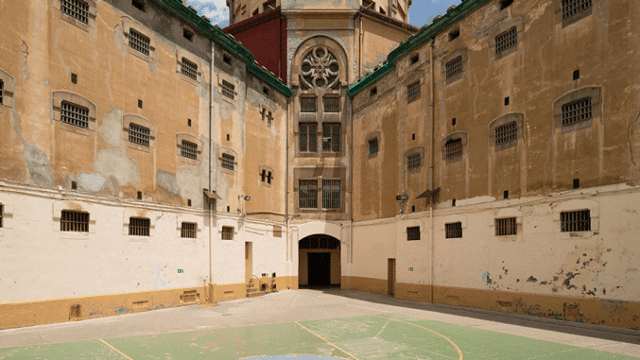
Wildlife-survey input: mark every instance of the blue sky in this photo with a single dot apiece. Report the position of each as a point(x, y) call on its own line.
point(420, 13)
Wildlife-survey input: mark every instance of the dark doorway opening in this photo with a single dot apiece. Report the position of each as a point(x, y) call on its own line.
point(319, 261)
point(319, 269)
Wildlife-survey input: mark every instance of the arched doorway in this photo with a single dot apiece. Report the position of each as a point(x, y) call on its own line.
point(319, 261)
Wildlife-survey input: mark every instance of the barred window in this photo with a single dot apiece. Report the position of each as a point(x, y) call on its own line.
point(189, 150)
point(227, 233)
point(373, 146)
point(74, 115)
point(577, 111)
point(331, 194)
point(332, 104)
point(571, 8)
point(189, 230)
point(308, 194)
point(139, 135)
point(506, 40)
point(228, 89)
point(413, 161)
point(453, 230)
point(453, 148)
point(77, 9)
point(413, 233)
point(277, 231)
point(506, 227)
point(1, 215)
point(139, 226)
point(139, 42)
point(1, 91)
point(189, 69)
point(454, 68)
point(74, 221)
point(574, 221)
point(330, 138)
point(308, 137)
point(228, 161)
point(308, 104)
point(413, 91)
point(506, 133)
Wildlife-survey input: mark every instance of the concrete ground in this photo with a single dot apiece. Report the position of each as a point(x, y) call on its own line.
point(309, 305)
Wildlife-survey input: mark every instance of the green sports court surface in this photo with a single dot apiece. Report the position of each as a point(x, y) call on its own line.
point(385, 336)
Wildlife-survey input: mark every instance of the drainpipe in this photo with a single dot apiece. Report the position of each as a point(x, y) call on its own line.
point(352, 182)
point(431, 151)
point(361, 40)
point(211, 112)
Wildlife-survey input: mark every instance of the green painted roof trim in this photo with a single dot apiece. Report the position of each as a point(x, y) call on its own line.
point(177, 8)
point(424, 35)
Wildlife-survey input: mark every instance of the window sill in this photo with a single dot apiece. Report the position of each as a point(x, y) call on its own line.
point(192, 162)
point(143, 239)
point(139, 147)
point(75, 129)
point(188, 79)
point(68, 235)
point(578, 235)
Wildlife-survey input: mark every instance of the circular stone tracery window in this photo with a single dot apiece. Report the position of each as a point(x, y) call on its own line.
point(320, 69)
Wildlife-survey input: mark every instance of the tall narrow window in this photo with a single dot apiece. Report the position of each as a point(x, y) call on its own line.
point(413, 91)
point(308, 194)
point(413, 233)
point(139, 134)
point(228, 89)
point(139, 226)
point(74, 221)
point(139, 42)
point(331, 104)
point(453, 148)
point(189, 150)
point(506, 227)
point(227, 233)
point(576, 111)
point(308, 137)
point(453, 230)
point(413, 161)
point(75, 115)
point(308, 104)
point(189, 69)
point(1, 215)
point(331, 194)
point(571, 8)
point(77, 9)
point(575, 221)
point(228, 161)
point(454, 68)
point(1, 92)
point(331, 138)
point(506, 41)
point(506, 133)
point(373, 146)
point(189, 230)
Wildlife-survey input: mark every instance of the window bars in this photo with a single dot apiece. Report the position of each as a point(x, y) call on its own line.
point(77, 9)
point(454, 68)
point(228, 161)
point(189, 230)
point(74, 115)
point(308, 139)
point(373, 146)
point(331, 194)
point(74, 221)
point(574, 221)
point(571, 8)
point(308, 194)
point(331, 138)
point(139, 226)
point(189, 69)
point(139, 135)
point(139, 42)
point(576, 111)
point(228, 89)
point(413, 161)
point(1, 91)
point(413, 233)
point(413, 91)
point(453, 148)
point(331, 104)
point(506, 133)
point(453, 230)
point(308, 104)
point(189, 150)
point(506, 40)
point(506, 227)
point(227, 233)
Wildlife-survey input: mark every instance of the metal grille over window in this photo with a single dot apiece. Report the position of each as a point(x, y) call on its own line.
point(413, 91)
point(506, 40)
point(453, 231)
point(413, 233)
point(413, 161)
point(227, 233)
point(74, 115)
point(454, 67)
point(74, 221)
point(571, 8)
point(228, 161)
point(308, 138)
point(506, 227)
point(574, 221)
point(189, 150)
point(576, 111)
point(308, 194)
point(308, 105)
point(189, 230)
point(139, 226)
point(453, 149)
point(76, 9)
point(139, 42)
point(373, 146)
point(331, 194)
point(228, 89)
point(331, 138)
point(139, 135)
point(506, 133)
point(331, 104)
point(189, 69)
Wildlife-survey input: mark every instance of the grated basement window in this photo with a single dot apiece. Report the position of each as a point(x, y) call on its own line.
point(139, 135)
point(453, 230)
point(228, 89)
point(331, 194)
point(413, 91)
point(308, 105)
point(453, 149)
point(189, 150)
point(74, 221)
point(413, 233)
point(413, 161)
point(506, 40)
point(506, 133)
point(331, 138)
point(576, 111)
point(506, 227)
point(308, 139)
point(571, 8)
point(77, 9)
point(139, 226)
point(308, 194)
point(74, 115)
point(574, 221)
point(188, 230)
point(454, 67)
point(227, 233)
point(189, 69)
point(373, 146)
point(228, 161)
point(139, 42)
point(331, 104)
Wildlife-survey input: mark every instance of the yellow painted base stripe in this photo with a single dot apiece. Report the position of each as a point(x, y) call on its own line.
point(327, 341)
point(116, 350)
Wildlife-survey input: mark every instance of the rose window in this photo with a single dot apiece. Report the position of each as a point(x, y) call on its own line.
point(320, 69)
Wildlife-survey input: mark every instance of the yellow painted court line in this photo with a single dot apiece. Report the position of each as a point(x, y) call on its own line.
point(116, 350)
point(327, 341)
point(437, 333)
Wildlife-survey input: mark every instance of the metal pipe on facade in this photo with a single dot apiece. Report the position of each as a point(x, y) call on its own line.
point(211, 112)
point(431, 152)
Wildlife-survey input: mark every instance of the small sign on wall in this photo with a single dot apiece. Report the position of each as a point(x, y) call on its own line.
point(180, 271)
point(410, 269)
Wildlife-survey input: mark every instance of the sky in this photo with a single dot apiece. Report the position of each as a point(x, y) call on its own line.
point(420, 13)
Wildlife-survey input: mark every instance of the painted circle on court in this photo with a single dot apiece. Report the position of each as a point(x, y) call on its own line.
point(293, 357)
